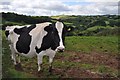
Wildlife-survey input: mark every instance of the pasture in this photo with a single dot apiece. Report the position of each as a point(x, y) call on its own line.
point(84, 57)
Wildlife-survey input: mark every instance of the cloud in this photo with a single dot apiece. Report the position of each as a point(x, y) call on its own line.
point(4, 3)
point(108, 8)
point(59, 7)
point(95, 8)
point(101, 0)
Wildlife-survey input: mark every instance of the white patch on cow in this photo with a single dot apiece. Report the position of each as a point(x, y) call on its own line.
point(59, 26)
point(37, 36)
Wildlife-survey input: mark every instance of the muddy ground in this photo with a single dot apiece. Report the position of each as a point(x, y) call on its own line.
point(75, 71)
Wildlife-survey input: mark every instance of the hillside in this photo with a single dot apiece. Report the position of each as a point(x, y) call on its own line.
point(92, 25)
point(77, 25)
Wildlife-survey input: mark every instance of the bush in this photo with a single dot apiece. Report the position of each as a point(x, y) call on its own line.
point(97, 23)
point(107, 32)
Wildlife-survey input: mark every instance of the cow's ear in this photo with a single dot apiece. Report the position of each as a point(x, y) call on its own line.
point(70, 28)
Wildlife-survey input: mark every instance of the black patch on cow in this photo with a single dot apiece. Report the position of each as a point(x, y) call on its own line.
point(20, 30)
point(24, 40)
point(55, 39)
point(51, 40)
point(64, 33)
point(7, 33)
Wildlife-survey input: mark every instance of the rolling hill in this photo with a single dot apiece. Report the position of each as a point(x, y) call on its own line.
point(77, 25)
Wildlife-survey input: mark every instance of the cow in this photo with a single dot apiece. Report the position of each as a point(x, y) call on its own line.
point(37, 39)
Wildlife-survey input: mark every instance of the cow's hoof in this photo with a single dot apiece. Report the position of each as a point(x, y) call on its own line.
point(39, 72)
point(18, 67)
point(50, 69)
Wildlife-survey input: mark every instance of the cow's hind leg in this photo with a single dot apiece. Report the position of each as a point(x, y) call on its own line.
point(18, 65)
point(13, 54)
point(17, 62)
point(14, 58)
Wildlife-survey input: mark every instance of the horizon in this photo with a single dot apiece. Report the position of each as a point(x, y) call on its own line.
point(61, 15)
point(60, 7)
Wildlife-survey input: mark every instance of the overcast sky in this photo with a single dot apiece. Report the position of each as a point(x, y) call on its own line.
point(60, 7)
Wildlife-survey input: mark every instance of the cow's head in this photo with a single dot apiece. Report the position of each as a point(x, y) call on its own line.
point(59, 36)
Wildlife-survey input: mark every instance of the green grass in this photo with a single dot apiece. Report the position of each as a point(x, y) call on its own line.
point(18, 74)
point(15, 23)
point(99, 27)
point(88, 44)
point(63, 17)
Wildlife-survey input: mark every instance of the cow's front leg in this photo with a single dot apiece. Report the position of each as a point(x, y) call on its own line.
point(39, 57)
point(51, 56)
point(50, 64)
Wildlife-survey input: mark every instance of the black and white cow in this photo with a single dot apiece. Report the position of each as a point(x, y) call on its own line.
point(39, 39)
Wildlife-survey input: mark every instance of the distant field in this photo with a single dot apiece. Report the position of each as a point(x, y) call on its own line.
point(86, 56)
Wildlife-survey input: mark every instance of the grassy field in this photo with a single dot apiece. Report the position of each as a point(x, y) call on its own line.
point(84, 57)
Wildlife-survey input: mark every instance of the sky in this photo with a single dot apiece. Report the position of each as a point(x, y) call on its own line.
point(60, 7)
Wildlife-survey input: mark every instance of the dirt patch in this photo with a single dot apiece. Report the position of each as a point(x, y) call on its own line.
point(80, 73)
point(68, 73)
point(94, 58)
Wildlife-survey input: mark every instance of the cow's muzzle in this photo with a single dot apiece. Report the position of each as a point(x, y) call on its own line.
point(61, 49)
